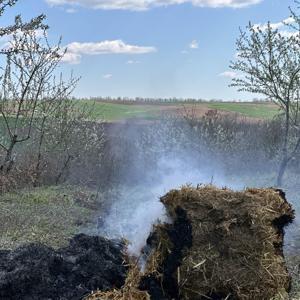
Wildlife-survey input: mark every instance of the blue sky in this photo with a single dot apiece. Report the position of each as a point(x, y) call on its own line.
point(142, 48)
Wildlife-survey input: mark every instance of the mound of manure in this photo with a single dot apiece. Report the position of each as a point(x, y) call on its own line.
point(220, 245)
point(37, 272)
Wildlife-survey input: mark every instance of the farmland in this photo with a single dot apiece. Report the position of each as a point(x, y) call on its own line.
point(146, 156)
point(114, 111)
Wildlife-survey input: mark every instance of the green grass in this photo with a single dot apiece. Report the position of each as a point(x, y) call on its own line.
point(112, 112)
point(49, 215)
point(118, 111)
point(253, 110)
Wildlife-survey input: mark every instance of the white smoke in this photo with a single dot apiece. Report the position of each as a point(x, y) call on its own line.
point(133, 215)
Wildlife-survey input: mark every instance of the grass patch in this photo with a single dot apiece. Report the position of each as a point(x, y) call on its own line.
point(116, 112)
point(49, 215)
point(253, 110)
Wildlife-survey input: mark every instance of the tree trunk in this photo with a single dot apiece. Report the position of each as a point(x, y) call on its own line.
point(285, 160)
point(281, 172)
point(39, 158)
point(63, 169)
point(8, 161)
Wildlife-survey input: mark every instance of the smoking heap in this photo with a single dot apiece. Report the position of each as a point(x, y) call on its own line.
point(220, 245)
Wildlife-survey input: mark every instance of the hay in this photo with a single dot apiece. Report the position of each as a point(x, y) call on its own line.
point(129, 291)
point(235, 246)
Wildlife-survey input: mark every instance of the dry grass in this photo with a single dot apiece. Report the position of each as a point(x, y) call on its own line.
point(48, 215)
point(129, 291)
point(163, 249)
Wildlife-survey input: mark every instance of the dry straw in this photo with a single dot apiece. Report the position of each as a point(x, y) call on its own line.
point(236, 250)
point(237, 237)
point(129, 291)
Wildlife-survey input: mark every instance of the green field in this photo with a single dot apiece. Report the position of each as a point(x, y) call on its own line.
point(115, 112)
point(253, 110)
point(112, 112)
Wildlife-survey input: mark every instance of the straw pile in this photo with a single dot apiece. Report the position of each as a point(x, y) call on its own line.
point(221, 245)
point(129, 291)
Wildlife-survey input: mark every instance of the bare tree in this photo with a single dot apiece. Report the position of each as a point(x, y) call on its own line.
point(33, 24)
point(66, 133)
point(16, 65)
point(28, 87)
point(38, 119)
point(268, 62)
point(55, 99)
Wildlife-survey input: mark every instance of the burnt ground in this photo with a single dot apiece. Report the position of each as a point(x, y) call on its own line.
point(38, 272)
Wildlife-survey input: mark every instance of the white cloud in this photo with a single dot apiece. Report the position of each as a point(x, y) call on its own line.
point(229, 74)
point(7, 42)
point(38, 33)
point(264, 27)
point(76, 50)
point(133, 62)
point(71, 10)
point(140, 5)
point(107, 76)
point(194, 44)
point(108, 47)
point(280, 27)
point(289, 34)
point(289, 20)
point(71, 58)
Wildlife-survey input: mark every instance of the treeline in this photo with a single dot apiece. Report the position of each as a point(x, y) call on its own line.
point(141, 100)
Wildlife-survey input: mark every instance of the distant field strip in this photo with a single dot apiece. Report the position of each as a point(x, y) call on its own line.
point(112, 112)
point(253, 110)
point(116, 112)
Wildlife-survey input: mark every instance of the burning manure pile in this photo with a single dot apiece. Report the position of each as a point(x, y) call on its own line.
point(220, 245)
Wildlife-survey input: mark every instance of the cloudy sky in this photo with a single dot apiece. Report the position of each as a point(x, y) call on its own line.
point(151, 48)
